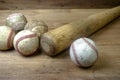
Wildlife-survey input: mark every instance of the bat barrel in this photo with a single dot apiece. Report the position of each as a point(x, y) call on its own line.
point(55, 41)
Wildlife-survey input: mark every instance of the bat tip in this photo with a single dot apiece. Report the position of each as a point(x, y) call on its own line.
point(47, 45)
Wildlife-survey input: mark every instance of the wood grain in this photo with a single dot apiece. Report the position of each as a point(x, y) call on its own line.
point(13, 66)
point(55, 4)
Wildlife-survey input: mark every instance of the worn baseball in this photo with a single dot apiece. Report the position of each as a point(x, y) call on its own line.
point(26, 42)
point(6, 37)
point(37, 26)
point(83, 52)
point(17, 21)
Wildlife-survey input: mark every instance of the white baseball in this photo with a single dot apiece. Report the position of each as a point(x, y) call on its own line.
point(83, 52)
point(26, 42)
point(6, 37)
point(17, 21)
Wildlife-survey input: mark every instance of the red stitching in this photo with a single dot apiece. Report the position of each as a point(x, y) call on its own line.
point(75, 55)
point(9, 38)
point(91, 46)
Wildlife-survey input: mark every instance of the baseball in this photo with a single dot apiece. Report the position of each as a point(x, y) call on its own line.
point(83, 52)
point(37, 26)
point(6, 37)
point(26, 42)
point(17, 21)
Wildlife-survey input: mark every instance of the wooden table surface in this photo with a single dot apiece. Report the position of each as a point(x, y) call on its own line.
point(13, 66)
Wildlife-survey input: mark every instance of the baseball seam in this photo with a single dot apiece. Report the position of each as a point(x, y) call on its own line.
point(90, 45)
point(9, 38)
point(22, 38)
point(75, 54)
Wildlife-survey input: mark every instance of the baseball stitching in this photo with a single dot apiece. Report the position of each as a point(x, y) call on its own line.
point(75, 55)
point(10, 38)
point(90, 46)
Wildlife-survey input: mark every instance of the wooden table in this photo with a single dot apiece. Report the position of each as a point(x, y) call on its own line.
point(13, 66)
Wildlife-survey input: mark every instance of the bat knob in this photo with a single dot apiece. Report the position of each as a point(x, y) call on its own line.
point(47, 45)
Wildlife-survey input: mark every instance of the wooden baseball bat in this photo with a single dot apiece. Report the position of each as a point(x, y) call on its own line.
point(55, 41)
